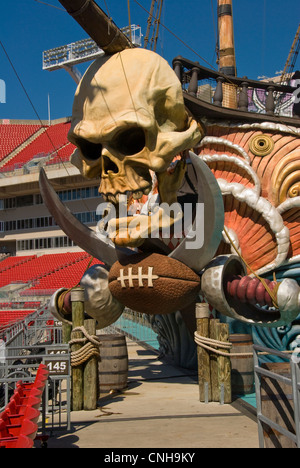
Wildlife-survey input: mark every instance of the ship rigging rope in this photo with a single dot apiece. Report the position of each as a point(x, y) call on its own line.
point(226, 77)
point(272, 293)
point(179, 39)
point(39, 119)
point(25, 91)
point(216, 33)
point(129, 20)
point(50, 5)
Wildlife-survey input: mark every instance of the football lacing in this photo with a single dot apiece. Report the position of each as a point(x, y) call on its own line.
point(140, 277)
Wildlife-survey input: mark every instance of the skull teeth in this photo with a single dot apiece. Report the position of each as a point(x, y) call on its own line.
point(136, 195)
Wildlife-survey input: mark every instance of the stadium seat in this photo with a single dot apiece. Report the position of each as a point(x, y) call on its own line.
point(13, 135)
point(25, 427)
point(32, 400)
point(21, 442)
point(47, 143)
point(35, 268)
point(18, 421)
point(16, 416)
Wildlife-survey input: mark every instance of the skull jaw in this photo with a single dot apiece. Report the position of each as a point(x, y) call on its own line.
point(132, 231)
point(138, 182)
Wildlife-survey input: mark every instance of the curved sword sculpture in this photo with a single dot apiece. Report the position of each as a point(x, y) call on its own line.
point(194, 251)
point(83, 236)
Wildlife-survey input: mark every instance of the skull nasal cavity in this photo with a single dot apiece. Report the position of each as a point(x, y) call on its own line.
point(91, 151)
point(109, 166)
point(131, 141)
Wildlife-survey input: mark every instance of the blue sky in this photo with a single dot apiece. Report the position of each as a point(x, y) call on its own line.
point(264, 32)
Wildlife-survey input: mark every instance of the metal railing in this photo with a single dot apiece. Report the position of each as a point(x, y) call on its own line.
point(21, 363)
point(271, 98)
point(39, 327)
point(294, 382)
point(84, 50)
point(135, 326)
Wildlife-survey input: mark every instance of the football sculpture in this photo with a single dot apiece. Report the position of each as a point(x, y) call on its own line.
point(153, 284)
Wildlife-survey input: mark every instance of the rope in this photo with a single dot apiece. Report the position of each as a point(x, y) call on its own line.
point(273, 294)
point(89, 349)
point(203, 342)
point(92, 338)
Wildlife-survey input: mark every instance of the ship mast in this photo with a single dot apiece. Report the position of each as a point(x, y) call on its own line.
point(227, 61)
point(98, 25)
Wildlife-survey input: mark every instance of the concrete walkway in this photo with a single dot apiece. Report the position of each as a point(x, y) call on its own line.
point(160, 409)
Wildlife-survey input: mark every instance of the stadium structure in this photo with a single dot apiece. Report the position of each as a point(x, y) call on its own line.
point(36, 257)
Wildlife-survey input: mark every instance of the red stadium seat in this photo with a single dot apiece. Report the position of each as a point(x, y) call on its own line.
point(13, 135)
point(21, 442)
point(18, 422)
point(22, 401)
point(48, 142)
point(25, 427)
point(15, 415)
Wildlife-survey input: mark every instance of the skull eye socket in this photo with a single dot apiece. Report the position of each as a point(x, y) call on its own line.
point(131, 141)
point(89, 150)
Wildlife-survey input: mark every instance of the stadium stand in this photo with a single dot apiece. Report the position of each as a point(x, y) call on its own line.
point(13, 135)
point(67, 277)
point(9, 317)
point(26, 144)
point(47, 274)
point(62, 155)
point(18, 421)
point(38, 267)
point(51, 140)
point(11, 262)
point(19, 305)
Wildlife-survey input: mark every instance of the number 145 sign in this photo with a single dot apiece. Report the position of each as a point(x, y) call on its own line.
point(57, 366)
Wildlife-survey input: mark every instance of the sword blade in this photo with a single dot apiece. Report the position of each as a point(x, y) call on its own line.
point(213, 223)
point(80, 234)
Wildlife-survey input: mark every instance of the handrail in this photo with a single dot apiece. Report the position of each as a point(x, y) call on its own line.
point(293, 382)
point(204, 73)
point(190, 73)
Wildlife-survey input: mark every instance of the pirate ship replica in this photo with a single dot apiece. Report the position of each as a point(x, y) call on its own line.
point(248, 136)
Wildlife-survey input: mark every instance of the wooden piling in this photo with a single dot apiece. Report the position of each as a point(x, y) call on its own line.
point(224, 364)
point(214, 373)
point(214, 369)
point(66, 332)
point(90, 374)
point(77, 300)
point(202, 319)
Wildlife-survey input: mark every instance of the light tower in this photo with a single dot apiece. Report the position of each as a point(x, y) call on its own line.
point(68, 56)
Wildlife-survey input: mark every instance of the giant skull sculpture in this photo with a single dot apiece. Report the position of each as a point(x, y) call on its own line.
point(129, 118)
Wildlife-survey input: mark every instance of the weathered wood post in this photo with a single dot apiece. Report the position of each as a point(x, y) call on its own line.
point(202, 319)
point(66, 332)
point(224, 365)
point(77, 300)
point(214, 375)
point(90, 374)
